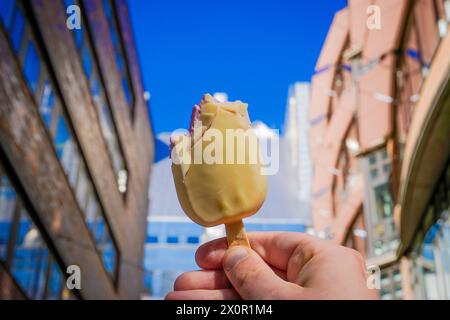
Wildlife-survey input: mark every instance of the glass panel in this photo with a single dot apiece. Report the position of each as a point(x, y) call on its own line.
point(193, 240)
point(172, 239)
point(429, 273)
point(446, 253)
point(119, 57)
point(92, 213)
point(87, 62)
point(126, 89)
point(6, 12)
point(119, 52)
point(82, 188)
point(7, 206)
point(116, 157)
point(32, 67)
point(29, 261)
point(384, 201)
point(55, 280)
point(71, 162)
point(398, 291)
point(106, 124)
point(99, 229)
point(17, 30)
point(107, 9)
point(95, 89)
point(78, 37)
point(68, 3)
point(62, 137)
point(373, 173)
point(109, 254)
point(41, 273)
point(46, 104)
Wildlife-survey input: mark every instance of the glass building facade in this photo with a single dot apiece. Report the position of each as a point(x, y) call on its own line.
point(54, 117)
point(24, 252)
point(372, 99)
point(65, 171)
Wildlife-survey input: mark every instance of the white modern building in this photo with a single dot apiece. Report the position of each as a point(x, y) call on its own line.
point(296, 128)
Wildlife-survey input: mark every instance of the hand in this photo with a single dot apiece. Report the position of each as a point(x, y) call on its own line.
point(282, 265)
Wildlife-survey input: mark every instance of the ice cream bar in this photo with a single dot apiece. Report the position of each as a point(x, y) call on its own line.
point(217, 169)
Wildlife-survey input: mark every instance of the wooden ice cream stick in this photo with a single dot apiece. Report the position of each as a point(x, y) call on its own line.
point(236, 235)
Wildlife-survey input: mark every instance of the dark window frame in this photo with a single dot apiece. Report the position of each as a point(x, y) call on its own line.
point(118, 27)
point(23, 206)
point(31, 33)
point(88, 39)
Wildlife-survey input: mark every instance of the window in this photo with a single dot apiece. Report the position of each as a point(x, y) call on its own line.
point(192, 240)
point(119, 52)
point(17, 29)
point(6, 12)
point(391, 283)
point(22, 249)
point(103, 109)
point(82, 188)
point(29, 263)
point(172, 239)
point(108, 253)
point(47, 104)
point(55, 281)
point(384, 201)
point(7, 207)
point(101, 234)
point(62, 139)
point(383, 234)
point(373, 173)
point(87, 62)
point(31, 67)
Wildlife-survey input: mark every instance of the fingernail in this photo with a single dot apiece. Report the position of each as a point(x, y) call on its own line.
point(234, 256)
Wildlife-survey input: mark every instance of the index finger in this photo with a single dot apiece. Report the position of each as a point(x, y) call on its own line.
point(276, 248)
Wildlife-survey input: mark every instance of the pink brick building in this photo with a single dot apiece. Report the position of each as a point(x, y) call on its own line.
point(379, 141)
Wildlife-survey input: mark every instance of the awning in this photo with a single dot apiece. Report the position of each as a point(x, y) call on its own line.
point(427, 147)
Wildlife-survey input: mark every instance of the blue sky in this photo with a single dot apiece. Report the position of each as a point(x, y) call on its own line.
point(251, 49)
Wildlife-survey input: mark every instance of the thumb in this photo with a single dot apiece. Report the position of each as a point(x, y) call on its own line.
point(251, 277)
